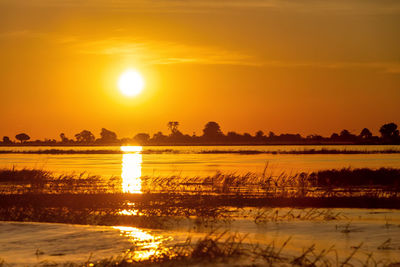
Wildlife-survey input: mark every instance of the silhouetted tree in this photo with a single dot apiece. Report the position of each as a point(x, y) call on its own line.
point(212, 131)
point(247, 137)
point(142, 138)
point(315, 137)
point(389, 131)
point(6, 140)
point(173, 126)
point(345, 133)
point(159, 137)
point(233, 137)
point(64, 139)
point(107, 136)
point(85, 137)
point(178, 137)
point(365, 134)
point(334, 137)
point(49, 141)
point(22, 137)
point(259, 134)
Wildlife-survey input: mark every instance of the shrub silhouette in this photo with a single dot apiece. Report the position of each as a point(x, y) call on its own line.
point(64, 138)
point(173, 126)
point(6, 140)
point(85, 137)
point(212, 131)
point(142, 138)
point(389, 131)
point(22, 137)
point(365, 133)
point(107, 136)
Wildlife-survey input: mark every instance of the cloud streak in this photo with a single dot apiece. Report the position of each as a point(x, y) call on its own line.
point(308, 6)
point(155, 52)
point(161, 52)
point(384, 67)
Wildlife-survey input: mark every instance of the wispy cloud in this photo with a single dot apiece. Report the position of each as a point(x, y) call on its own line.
point(20, 34)
point(154, 52)
point(386, 67)
point(161, 52)
point(348, 6)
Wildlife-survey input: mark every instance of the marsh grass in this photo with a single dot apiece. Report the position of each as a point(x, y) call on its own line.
point(41, 181)
point(37, 195)
point(155, 215)
point(208, 202)
point(301, 152)
point(383, 182)
point(265, 215)
point(223, 249)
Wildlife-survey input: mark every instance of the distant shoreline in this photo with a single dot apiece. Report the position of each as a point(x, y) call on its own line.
point(216, 151)
point(200, 144)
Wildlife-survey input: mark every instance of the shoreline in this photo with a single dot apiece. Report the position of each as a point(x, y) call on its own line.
point(322, 151)
point(201, 144)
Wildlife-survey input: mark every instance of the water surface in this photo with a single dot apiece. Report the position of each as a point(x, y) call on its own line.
point(23, 244)
point(187, 161)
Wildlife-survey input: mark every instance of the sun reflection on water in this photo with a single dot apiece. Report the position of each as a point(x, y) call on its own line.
point(146, 245)
point(131, 169)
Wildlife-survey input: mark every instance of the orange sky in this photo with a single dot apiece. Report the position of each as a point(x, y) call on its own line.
point(307, 66)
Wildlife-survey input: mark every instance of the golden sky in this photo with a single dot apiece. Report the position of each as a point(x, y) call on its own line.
point(307, 66)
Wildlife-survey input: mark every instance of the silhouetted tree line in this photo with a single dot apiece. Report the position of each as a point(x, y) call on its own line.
point(212, 134)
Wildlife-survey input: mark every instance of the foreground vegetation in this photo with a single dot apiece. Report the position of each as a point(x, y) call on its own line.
point(219, 248)
point(226, 250)
point(346, 182)
point(207, 203)
point(37, 195)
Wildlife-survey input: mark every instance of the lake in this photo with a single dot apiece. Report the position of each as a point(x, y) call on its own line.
point(30, 243)
point(133, 162)
point(187, 161)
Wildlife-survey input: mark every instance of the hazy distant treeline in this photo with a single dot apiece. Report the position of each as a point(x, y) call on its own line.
point(212, 134)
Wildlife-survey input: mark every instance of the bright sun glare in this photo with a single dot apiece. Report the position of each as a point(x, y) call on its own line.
point(131, 83)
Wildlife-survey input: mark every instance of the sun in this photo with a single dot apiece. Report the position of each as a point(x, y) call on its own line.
point(131, 83)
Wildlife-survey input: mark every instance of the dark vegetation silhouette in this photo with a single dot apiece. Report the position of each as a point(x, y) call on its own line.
point(85, 137)
point(212, 132)
point(365, 134)
point(22, 137)
point(389, 132)
point(213, 135)
point(64, 139)
point(107, 137)
point(6, 140)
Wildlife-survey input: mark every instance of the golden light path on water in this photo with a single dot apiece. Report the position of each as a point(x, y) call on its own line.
point(146, 245)
point(131, 169)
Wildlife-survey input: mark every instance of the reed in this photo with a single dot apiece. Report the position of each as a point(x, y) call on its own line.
point(222, 249)
point(38, 195)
